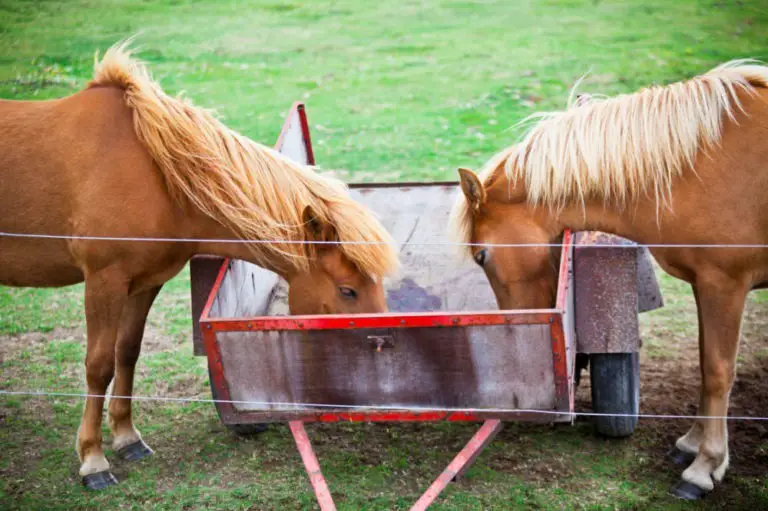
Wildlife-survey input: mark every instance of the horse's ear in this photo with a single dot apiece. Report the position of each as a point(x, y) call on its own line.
point(472, 188)
point(317, 230)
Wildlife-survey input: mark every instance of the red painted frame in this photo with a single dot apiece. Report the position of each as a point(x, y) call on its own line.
point(554, 317)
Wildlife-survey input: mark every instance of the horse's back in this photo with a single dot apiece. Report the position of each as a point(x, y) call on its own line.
point(71, 166)
point(727, 200)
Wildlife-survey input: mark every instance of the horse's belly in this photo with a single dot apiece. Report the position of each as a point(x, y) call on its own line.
point(36, 263)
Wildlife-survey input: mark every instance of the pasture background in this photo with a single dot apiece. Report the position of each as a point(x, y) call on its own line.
point(402, 90)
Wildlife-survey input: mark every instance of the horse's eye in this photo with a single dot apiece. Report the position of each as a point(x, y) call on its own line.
point(348, 292)
point(480, 257)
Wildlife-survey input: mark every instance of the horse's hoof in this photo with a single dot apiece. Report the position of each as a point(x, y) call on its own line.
point(680, 457)
point(688, 491)
point(135, 451)
point(99, 480)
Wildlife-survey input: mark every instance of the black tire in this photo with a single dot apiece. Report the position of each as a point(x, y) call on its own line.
point(615, 379)
point(243, 430)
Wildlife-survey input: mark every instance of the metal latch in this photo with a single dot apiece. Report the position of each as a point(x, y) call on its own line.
point(381, 341)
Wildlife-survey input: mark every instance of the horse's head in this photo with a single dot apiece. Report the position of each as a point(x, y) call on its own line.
point(333, 284)
point(496, 214)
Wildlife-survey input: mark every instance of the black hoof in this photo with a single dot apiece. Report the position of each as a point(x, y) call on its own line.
point(688, 491)
point(99, 480)
point(680, 457)
point(135, 451)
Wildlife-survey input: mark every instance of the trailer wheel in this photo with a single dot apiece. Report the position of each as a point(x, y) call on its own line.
point(615, 379)
point(243, 430)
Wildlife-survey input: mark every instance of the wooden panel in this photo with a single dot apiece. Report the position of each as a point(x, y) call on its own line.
point(476, 367)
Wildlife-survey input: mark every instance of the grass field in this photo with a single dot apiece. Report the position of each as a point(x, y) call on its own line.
point(398, 90)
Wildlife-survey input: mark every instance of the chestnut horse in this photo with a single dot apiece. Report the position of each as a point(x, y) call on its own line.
point(685, 164)
point(123, 159)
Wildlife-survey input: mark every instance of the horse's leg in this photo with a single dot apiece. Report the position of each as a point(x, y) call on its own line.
point(105, 295)
point(127, 441)
point(720, 301)
point(687, 446)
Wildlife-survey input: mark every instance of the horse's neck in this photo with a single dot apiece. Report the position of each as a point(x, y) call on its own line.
point(210, 231)
point(594, 216)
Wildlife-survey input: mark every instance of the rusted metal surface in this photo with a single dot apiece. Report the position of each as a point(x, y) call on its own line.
point(566, 320)
point(606, 300)
point(648, 290)
point(388, 320)
point(561, 330)
point(507, 366)
point(312, 466)
point(330, 415)
point(203, 271)
point(460, 463)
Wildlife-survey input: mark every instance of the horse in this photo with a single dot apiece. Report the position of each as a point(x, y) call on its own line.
point(121, 159)
point(683, 168)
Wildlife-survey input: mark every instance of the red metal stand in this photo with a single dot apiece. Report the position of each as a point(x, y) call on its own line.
point(455, 469)
point(312, 466)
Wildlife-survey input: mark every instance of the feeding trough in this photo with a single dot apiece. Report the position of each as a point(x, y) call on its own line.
point(443, 352)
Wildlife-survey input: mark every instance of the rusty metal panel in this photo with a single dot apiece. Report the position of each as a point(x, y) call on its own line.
point(506, 367)
point(474, 367)
point(202, 273)
point(606, 301)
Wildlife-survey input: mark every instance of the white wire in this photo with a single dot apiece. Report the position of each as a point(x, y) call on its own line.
point(416, 409)
point(369, 407)
point(409, 243)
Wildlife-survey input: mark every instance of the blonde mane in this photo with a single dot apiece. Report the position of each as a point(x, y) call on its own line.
point(620, 148)
point(253, 190)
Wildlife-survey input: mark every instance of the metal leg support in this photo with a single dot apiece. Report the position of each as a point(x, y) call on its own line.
point(455, 469)
point(312, 466)
point(460, 463)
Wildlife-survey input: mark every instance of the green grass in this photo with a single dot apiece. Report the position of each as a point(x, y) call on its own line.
point(400, 90)
point(40, 310)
